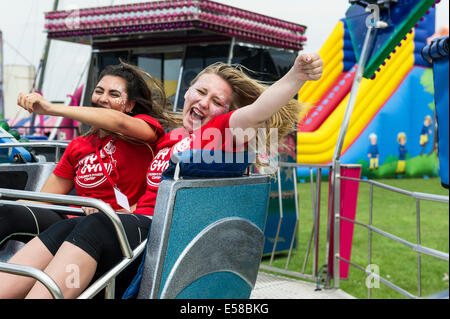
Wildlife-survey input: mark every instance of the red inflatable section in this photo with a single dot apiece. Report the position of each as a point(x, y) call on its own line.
point(338, 91)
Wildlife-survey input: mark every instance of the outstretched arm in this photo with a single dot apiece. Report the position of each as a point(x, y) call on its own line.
point(307, 67)
point(108, 119)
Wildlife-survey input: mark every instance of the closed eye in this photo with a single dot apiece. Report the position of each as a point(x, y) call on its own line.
point(115, 93)
point(218, 103)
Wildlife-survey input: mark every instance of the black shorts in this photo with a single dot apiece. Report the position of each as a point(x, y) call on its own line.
point(22, 223)
point(95, 234)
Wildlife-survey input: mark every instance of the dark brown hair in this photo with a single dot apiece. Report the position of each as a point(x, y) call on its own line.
point(147, 92)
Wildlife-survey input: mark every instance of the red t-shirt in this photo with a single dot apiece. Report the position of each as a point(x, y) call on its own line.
point(126, 164)
point(213, 136)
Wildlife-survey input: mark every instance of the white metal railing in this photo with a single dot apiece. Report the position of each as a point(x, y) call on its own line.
point(330, 281)
point(417, 247)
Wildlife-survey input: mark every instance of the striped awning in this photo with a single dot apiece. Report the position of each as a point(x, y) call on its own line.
point(83, 25)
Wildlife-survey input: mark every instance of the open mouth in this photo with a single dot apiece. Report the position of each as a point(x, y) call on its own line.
point(101, 105)
point(196, 115)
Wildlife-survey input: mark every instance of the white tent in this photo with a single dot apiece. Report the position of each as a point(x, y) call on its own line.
point(16, 79)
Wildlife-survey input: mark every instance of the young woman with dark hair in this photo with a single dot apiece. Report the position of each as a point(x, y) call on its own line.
point(112, 158)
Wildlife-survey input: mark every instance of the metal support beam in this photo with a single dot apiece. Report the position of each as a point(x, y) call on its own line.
point(335, 178)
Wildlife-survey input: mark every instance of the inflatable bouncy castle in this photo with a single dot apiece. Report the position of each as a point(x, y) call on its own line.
point(392, 128)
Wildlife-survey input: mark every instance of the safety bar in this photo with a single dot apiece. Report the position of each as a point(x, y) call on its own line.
point(75, 200)
point(63, 209)
point(37, 274)
point(37, 143)
point(290, 164)
point(416, 195)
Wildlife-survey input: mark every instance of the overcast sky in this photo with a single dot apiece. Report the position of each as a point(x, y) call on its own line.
point(22, 23)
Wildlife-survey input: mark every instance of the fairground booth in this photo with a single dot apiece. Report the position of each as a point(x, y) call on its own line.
point(174, 40)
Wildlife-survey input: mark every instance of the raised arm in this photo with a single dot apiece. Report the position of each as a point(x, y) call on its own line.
point(108, 119)
point(307, 67)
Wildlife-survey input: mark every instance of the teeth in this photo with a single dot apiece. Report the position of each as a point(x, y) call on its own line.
point(196, 114)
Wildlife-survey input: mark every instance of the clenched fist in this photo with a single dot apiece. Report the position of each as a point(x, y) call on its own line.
point(309, 67)
point(34, 103)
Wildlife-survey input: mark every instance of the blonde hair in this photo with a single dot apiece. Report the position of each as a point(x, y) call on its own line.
point(246, 90)
point(400, 136)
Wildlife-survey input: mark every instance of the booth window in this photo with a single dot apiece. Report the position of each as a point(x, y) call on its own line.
point(197, 58)
point(267, 65)
point(164, 67)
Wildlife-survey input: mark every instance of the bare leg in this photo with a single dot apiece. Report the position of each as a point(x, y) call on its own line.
point(34, 254)
point(72, 269)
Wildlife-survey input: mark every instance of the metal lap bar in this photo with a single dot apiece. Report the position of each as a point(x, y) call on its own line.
point(61, 209)
point(79, 201)
point(37, 274)
point(106, 280)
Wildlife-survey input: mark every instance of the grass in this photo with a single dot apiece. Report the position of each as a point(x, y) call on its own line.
point(393, 213)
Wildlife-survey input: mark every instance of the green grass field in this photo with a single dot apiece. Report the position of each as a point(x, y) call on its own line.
point(393, 213)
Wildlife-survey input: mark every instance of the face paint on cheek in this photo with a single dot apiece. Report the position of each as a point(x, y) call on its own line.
point(224, 109)
point(124, 99)
point(117, 101)
point(221, 111)
point(120, 102)
point(193, 94)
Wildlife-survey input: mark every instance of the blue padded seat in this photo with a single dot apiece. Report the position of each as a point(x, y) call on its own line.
point(206, 238)
point(209, 163)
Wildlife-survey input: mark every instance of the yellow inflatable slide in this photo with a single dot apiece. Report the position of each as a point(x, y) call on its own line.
point(318, 147)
